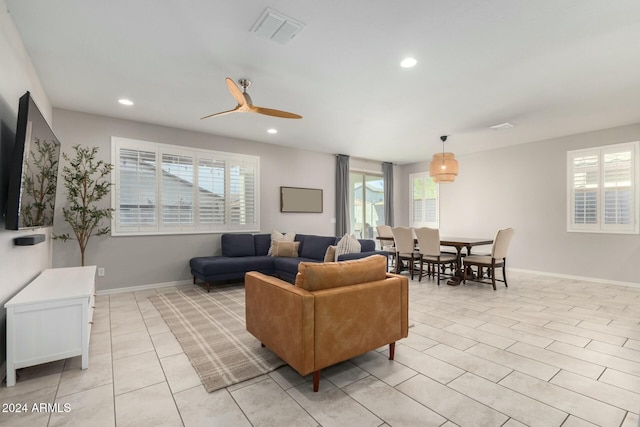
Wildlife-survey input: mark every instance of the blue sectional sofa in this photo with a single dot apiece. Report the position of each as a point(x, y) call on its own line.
point(248, 252)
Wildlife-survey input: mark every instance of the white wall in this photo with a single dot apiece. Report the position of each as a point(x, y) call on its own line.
point(18, 265)
point(143, 260)
point(524, 186)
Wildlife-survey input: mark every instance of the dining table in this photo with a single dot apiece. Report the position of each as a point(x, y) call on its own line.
point(459, 243)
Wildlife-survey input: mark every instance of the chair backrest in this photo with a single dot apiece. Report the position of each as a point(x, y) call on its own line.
point(384, 231)
point(403, 237)
point(428, 241)
point(501, 243)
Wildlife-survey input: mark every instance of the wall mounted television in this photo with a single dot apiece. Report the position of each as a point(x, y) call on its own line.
point(34, 170)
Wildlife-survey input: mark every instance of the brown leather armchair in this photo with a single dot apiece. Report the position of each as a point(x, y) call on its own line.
point(336, 311)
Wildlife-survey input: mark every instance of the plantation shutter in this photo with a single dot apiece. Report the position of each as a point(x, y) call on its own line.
point(619, 202)
point(603, 189)
point(177, 189)
point(136, 187)
point(211, 191)
point(424, 201)
point(242, 193)
point(167, 189)
point(585, 173)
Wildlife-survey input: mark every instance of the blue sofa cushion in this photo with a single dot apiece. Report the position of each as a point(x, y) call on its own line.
point(262, 243)
point(367, 245)
point(315, 247)
point(210, 266)
point(237, 245)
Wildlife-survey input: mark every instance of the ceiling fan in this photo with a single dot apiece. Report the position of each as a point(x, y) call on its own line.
point(245, 105)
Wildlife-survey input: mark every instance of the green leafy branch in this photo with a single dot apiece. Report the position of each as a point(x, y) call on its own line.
point(87, 182)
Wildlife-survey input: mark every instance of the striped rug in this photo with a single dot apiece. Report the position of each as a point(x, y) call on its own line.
point(210, 327)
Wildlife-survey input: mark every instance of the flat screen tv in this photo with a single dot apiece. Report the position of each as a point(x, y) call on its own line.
point(34, 170)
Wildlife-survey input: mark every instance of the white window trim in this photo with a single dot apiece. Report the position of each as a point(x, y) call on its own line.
point(599, 227)
point(158, 229)
point(412, 221)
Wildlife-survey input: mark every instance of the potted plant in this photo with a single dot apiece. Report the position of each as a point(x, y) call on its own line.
point(87, 183)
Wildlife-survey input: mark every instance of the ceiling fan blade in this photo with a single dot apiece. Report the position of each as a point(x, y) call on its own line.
point(220, 113)
point(235, 92)
point(275, 113)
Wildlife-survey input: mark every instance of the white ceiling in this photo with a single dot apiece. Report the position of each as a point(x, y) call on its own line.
point(550, 67)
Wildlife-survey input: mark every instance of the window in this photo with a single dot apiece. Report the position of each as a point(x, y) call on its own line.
point(424, 209)
point(603, 189)
point(366, 203)
point(167, 189)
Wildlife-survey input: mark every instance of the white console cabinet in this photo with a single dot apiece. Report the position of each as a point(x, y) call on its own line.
point(50, 319)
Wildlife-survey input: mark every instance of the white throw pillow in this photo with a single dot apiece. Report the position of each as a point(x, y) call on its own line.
point(277, 236)
point(347, 245)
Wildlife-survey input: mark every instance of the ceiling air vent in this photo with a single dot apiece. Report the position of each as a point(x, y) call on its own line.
point(276, 26)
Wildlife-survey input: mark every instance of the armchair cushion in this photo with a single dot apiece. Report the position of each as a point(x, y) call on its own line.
point(317, 276)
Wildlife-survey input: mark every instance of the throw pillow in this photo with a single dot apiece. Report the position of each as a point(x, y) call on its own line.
point(347, 245)
point(277, 236)
point(285, 249)
point(330, 255)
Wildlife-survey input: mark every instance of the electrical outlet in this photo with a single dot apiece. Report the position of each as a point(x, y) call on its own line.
point(101, 272)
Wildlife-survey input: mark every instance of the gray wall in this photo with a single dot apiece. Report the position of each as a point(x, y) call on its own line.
point(144, 260)
point(18, 265)
point(524, 186)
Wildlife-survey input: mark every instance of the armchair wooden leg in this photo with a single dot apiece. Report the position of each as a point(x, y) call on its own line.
point(316, 380)
point(194, 280)
point(208, 286)
point(392, 350)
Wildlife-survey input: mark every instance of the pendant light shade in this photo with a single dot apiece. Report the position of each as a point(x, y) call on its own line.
point(444, 166)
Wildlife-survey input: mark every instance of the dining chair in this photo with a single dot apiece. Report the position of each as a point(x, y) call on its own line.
point(405, 248)
point(498, 258)
point(429, 249)
point(385, 234)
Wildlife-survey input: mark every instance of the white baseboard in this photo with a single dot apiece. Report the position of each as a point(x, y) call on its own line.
point(145, 287)
point(582, 278)
point(515, 270)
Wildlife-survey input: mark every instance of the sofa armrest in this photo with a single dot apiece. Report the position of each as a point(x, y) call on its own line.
point(359, 255)
point(281, 316)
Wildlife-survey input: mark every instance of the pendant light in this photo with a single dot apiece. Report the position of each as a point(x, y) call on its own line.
point(444, 166)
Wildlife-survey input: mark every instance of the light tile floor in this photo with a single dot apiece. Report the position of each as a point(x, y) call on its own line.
point(544, 352)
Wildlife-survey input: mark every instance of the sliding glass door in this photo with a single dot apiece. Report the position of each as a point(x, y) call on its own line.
point(366, 203)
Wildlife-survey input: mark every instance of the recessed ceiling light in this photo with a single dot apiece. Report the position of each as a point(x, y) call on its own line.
point(408, 62)
point(272, 131)
point(124, 101)
point(505, 125)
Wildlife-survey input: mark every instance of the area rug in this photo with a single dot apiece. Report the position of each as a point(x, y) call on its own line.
point(210, 327)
